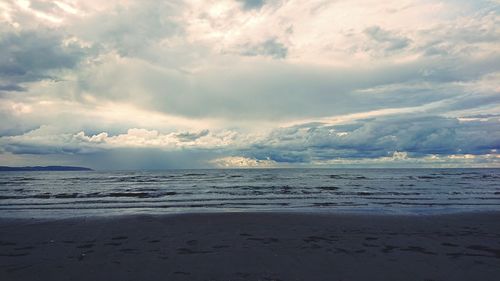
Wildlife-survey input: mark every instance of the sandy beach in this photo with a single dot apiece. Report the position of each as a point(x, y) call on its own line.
point(253, 246)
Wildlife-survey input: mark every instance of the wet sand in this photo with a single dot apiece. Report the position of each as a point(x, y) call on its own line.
point(253, 246)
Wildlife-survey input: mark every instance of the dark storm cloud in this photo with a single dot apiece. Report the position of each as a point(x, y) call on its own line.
point(11, 88)
point(42, 149)
point(29, 56)
point(380, 137)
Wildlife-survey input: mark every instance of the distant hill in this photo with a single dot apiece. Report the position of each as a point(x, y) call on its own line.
point(43, 168)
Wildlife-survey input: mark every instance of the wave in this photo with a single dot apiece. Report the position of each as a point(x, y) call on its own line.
point(376, 189)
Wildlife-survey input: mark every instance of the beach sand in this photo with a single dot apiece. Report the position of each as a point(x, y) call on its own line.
point(253, 246)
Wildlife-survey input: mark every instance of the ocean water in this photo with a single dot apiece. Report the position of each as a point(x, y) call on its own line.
point(388, 191)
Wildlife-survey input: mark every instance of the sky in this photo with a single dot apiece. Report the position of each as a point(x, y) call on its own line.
point(149, 84)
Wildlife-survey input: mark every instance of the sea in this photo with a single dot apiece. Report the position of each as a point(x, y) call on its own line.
point(375, 191)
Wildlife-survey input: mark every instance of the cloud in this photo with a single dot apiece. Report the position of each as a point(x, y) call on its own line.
point(431, 161)
point(270, 47)
point(415, 136)
point(29, 56)
point(130, 29)
point(46, 140)
point(295, 82)
point(11, 88)
point(388, 41)
point(397, 137)
point(252, 4)
point(188, 136)
point(242, 162)
point(277, 89)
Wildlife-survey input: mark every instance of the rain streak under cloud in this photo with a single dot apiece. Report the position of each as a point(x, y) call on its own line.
point(255, 83)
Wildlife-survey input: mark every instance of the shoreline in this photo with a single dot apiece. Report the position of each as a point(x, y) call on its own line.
point(253, 246)
point(299, 212)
